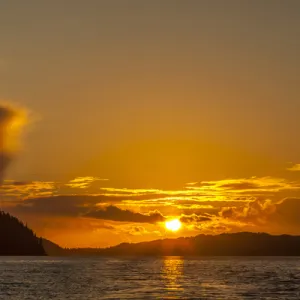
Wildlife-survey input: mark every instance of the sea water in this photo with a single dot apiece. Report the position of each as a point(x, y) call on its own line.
point(39, 278)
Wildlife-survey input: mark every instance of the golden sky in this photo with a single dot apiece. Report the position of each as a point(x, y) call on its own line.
point(144, 111)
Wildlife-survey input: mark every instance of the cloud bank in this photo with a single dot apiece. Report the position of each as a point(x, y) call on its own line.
point(114, 213)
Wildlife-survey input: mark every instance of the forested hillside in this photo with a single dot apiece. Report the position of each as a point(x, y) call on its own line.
point(17, 239)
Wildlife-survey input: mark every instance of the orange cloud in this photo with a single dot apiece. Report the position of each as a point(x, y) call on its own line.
point(227, 205)
point(83, 182)
point(294, 168)
point(253, 212)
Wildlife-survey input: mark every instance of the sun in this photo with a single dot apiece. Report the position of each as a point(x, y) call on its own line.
point(173, 225)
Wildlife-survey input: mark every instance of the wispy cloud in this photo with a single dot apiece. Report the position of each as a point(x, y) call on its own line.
point(203, 207)
point(192, 183)
point(294, 168)
point(19, 189)
point(136, 230)
point(83, 182)
point(194, 218)
point(242, 185)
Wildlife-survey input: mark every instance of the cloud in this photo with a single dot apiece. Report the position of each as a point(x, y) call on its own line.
point(224, 197)
point(111, 190)
point(194, 218)
point(83, 182)
point(242, 186)
point(248, 186)
point(192, 183)
point(250, 203)
point(15, 183)
point(276, 217)
point(294, 168)
point(137, 230)
point(286, 215)
point(114, 213)
point(253, 212)
point(63, 205)
point(214, 193)
point(83, 206)
point(28, 189)
point(60, 205)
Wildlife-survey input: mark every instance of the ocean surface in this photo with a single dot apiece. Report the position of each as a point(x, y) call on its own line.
point(23, 278)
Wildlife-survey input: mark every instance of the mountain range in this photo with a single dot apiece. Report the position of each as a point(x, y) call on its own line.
point(234, 244)
point(17, 239)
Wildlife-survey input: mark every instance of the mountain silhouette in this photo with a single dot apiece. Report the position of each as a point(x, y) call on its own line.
point(17, 239)
point(234, 244)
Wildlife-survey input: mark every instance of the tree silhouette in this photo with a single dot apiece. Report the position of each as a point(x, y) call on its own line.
point(17, 239)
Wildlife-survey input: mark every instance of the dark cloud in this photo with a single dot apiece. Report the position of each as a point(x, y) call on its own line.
point(68, 204)
point(194, 218)
point(279, 217)
point(114, 213)
point(83, 205)
point(255, 212)
point(287, 214)
point(17, 183)
point(137, 230)
point(62, 205)
point(59, 206)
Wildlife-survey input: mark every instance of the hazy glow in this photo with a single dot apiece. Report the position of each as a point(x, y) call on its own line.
point(173, 225)
point(141, 95)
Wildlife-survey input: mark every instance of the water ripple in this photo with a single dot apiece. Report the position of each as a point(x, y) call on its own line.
point(149, 278)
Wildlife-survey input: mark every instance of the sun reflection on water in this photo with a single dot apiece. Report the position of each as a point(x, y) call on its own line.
point(172, 273)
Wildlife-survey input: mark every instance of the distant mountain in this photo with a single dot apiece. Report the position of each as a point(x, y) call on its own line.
point(17, 239)
point(235, 244)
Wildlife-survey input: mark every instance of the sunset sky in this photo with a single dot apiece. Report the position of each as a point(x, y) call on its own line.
point(145, 111)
